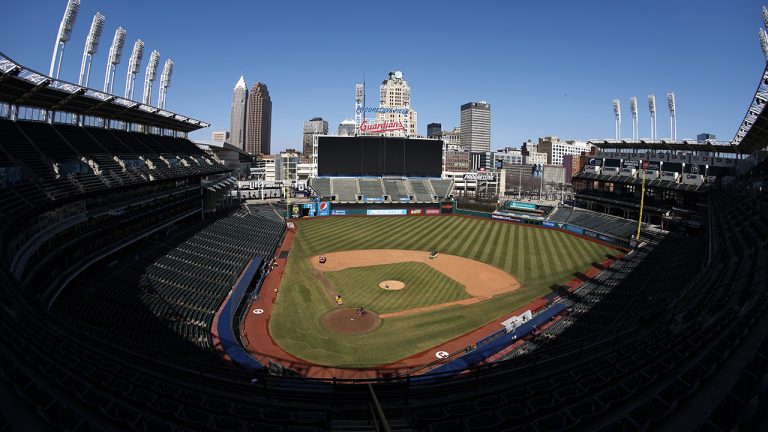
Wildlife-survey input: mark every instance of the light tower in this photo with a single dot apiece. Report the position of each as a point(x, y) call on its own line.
point(115, 54)
point(652, 109)
point(91, 45)
point(765, 16)
point(65, 31)
point(149, 76)
point(617, 115)
point(359, 106)
point(672, 118)
point(133, 67)
point(165, 82)
point(763, 41)
point(633, 109)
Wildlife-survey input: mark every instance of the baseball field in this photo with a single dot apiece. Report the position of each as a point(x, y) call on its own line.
point(412, 302)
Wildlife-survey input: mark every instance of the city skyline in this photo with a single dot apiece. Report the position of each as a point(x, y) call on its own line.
point(541, 79)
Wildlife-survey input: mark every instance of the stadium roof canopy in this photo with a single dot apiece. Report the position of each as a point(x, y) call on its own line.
point(692, 145)
point(753, 132)
point(25, 87)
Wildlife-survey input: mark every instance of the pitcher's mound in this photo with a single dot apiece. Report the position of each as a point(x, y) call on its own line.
point(392, 285)
point(346, 320)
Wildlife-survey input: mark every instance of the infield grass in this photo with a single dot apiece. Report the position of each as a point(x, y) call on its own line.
point(538, 258)
point(424, 286)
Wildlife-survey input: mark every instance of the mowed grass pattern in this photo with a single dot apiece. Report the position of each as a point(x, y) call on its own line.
point(425, 286)
point(539, 258)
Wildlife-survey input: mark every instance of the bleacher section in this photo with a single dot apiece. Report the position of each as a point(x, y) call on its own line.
point(422, 190)
point(322, 186)
point(442, 187)
point(174, 285)
point(345, 189)
point(371, 189)
point(611, 225)
point(397, 189)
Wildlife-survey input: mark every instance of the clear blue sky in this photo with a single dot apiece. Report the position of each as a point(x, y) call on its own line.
point(546, 67)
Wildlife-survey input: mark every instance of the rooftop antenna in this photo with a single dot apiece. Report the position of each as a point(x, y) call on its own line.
point(91, 45)
point(359, 106)
point(672, 118)
point(65, 32)
point(617, 115)
point(149, 76)
point(165, 82)
point(133, 67)
point(633, 109)
point(115, 54)
point(652, 109)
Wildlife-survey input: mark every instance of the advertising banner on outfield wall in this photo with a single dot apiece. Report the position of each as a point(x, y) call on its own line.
point(549, 224)
point(338, 212)
point(416, 211)
point(433, 211)
point(386, 212)
point(572, 228)
point(323, 208)
point(505, 218)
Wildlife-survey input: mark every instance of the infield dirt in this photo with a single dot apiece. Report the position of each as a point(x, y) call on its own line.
point(481, 281)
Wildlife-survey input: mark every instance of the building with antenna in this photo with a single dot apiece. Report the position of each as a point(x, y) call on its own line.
point(238, 110)
point(258, 128)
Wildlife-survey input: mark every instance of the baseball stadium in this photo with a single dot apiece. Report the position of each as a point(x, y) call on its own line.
point(142, 292)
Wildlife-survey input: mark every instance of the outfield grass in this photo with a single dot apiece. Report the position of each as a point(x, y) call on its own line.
point(424, 286)
point(538, 258)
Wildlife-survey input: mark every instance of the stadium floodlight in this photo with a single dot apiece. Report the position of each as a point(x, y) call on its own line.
point(617, 115)
point(165, 82)
point(633, 109)
point(115, 54)
point(652, 109)
point(65, 32)
point(672, 117)
point(134, 63)
point(91, 45)
point(763, 42)
point(149, 76)
point(765, 16)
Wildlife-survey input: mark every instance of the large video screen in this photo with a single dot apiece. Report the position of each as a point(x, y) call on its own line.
point(379, 156)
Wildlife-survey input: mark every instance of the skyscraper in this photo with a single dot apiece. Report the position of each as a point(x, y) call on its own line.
point(258, 128)
point(434, 130)
point(346, 128)
point(476, 126)
point(313, 127)
point(395, 97)
point(239, 105)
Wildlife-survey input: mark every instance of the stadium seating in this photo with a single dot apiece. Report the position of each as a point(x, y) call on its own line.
point(422, 190)
point(594, 221)
point(322, 186)
point(345, 189)
point(371, 189)
point(441, 187)
point(397, 189)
